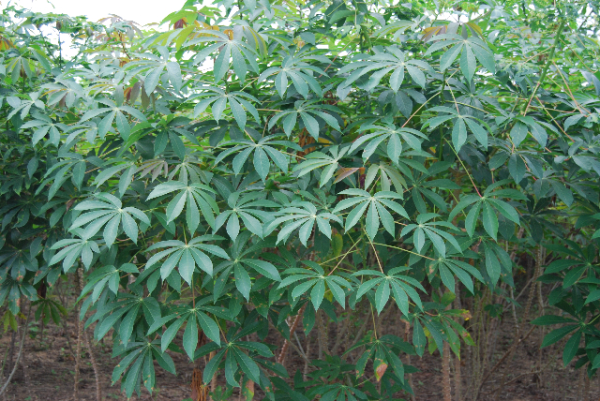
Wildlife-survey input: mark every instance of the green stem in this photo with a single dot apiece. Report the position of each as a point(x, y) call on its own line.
point(464, 167)
point(403, 250)
point(548, 62)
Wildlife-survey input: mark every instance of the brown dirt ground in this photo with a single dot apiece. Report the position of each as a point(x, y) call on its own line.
point(49, 370)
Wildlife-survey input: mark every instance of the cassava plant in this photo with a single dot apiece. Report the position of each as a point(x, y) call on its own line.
point(264, 172)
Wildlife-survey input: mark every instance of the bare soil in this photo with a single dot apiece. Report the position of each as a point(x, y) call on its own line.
point(47, 372)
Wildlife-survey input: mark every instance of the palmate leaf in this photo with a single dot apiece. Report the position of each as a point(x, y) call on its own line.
point(12, 285)
point(488, 204)
point(397, 27)
point(318, 160)
point(240, 263)
point(378, 205)
point(19, 213)
point(303, 216)
point(239, 103)
point(195, 317)
point(138, 366)
point(497, 262)
point(186, 256)
point(108, 212)
point(384, 352)
point(262, 151)
point(435, 335)
point(423, 188)
point(401, 101)
point(73, 250)
point(154, 66)
point(59, 173)
point(23, 107)
point(421, 191)
point(460, 123)
point(121, 313)
point(447, 268)
point(307, 111)
point(339, 391)
point(402, 288)
point(126, 169)
point(425, 230)
point(44, 125)
point(188, 171)
point(64, 91)
point(472, 49)
point(107, 276)
point(549, 182)
point(299, 69)
point(243, 206)
point(572, 345)
point(454, 331)
point(385, 60)
point(17, 66)
point(442, 327)
point(527, 124)
point(580, 263)
point(48, 309)
point(17, 262)
point(314, 279)
point(231, 50)
point(242, 357)
point(388, 176)
point(395, 137)
point(196, 196)
point(113, 113)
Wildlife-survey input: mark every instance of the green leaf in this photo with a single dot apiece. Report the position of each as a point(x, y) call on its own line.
point(449, 56)
point(177, 145)
point(419, 339)
point(551, 319)
point(242, 280)
point(593, 296)
point(472, 218)
point(382, 296)
point(265, 268)
point(174, 72)
point(467, 62)
point(212, 366)
point(372, 221)
point(170, 333)
point(317, 294)
point(186, 266)
point(571, 348)
point(459, 134)
point(151, 80)
point(261, 163)
point(248, 366)
point(190, 336)
point(126, 328)
point(518, 133)
point(209, 327)
point(311, 124)
point(490, 220)
point(556, 335)
point(492, 265)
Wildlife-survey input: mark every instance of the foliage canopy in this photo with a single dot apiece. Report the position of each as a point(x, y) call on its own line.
point(219, 182)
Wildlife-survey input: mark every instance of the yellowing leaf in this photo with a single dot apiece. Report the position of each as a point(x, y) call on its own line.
point(379, 367)
point(337, 243)
point(248, 390)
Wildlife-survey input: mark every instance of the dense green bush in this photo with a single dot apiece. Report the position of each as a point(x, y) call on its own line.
point(222, 183)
